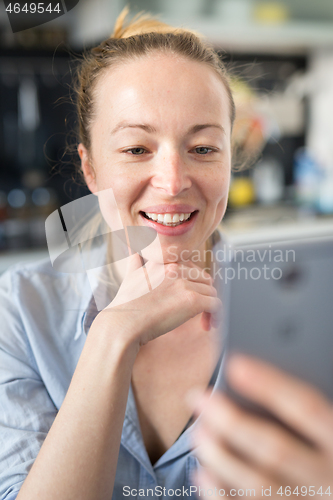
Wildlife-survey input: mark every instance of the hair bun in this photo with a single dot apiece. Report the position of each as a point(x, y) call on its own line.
point(142, 23)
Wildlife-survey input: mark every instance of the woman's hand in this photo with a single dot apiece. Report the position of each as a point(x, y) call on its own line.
point(245, 452)
point(186, 291)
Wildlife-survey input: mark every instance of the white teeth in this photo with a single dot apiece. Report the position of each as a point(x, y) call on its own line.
point(168, 219)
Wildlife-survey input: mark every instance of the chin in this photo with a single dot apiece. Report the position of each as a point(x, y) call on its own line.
point(174, 252)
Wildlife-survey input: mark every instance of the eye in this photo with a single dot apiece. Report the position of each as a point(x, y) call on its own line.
point(203, 150)
point(135, 151)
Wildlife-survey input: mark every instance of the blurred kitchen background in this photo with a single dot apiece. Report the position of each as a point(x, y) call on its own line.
point(280, 54)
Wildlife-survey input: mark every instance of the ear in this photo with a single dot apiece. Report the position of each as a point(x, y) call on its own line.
point(87, 169)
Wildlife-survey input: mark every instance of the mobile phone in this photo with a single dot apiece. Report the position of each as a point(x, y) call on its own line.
point(279, 308)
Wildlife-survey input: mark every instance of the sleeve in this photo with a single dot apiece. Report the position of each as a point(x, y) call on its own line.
point(26, 409)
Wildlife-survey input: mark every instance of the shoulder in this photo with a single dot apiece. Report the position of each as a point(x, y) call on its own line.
point(37, 285)
point(27, 270)
point(39, 273)
point(17, 274)
point(41, 312)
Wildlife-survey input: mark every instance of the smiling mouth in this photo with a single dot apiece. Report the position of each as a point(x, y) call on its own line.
point(170, 220)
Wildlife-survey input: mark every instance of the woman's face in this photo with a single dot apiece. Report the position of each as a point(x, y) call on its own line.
point(160, 138)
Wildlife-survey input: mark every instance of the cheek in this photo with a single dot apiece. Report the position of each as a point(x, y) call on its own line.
point(122, 184)
point(219, 186)
point(218, 195)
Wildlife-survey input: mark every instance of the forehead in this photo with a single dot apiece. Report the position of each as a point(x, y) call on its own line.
point(164, 88)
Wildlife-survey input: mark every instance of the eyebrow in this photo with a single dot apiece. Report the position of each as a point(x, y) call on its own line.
point(150, 129)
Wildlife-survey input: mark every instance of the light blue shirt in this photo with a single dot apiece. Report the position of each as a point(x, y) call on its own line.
point(44, 319)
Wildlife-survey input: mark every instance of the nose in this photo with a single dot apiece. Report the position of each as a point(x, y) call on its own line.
point(171, 174)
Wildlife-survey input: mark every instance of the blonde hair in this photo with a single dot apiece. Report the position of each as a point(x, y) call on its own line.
point(140, 37)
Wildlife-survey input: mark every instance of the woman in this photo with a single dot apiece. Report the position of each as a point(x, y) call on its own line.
point(102, 415)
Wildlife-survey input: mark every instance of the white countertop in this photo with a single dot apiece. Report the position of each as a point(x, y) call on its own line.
point(274, 224)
